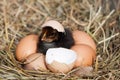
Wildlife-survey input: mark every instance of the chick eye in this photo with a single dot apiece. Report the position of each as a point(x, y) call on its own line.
point(52, 34)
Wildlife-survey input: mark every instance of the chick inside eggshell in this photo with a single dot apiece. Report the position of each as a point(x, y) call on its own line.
point(54, 35)
point(65, 50)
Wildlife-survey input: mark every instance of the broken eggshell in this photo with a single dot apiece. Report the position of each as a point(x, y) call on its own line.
point(60, 60)
point(54, 24)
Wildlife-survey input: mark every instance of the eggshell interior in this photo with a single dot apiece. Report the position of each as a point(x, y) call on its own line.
point(54, 24)
point(61, 55)
point(26, 47)
point(60, 59)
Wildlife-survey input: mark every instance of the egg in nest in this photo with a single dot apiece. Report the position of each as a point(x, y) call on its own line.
point(85, 55)
point(85, 48)
point(35, 62)
point(54, 35)
point(80, 37)
point(26, 47)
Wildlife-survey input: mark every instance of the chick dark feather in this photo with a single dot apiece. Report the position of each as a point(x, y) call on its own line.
point(63, 39)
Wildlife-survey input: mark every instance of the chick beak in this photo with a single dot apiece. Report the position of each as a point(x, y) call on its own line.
point(43, 39)
point(44, 36)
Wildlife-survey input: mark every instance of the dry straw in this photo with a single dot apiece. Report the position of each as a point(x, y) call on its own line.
point(99, 18)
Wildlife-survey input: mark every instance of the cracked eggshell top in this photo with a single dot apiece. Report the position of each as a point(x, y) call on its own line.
point(54, 24)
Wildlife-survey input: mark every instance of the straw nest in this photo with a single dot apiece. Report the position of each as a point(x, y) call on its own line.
point(99, 18)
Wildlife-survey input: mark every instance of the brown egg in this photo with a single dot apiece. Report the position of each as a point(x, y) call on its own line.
point(35, 62)
point(81, 37)
point(26, 47)
point(85, 55)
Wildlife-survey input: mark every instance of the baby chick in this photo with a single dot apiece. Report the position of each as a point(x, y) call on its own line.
point(52, 38)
